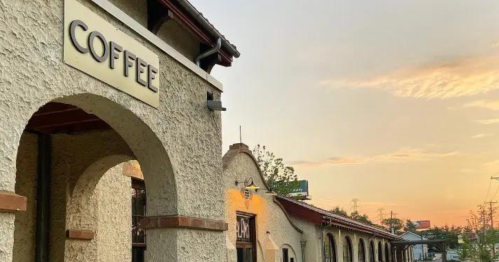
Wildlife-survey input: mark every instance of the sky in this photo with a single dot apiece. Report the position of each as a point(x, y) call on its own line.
point(394, 103)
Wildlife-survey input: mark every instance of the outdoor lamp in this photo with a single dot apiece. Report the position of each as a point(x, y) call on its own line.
point(252, 186)
point(248, 184)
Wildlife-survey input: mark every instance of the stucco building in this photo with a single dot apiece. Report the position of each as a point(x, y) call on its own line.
point(111, 146)
point(87, 85)
point(287, 230)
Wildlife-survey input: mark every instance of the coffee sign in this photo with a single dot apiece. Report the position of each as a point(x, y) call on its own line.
point(96, 47)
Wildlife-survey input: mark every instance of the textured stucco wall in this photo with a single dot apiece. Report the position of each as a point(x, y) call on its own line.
point(79, 163)
point(113, 235)
point(269, 216)
point(172, 32)
point(176, 35)
point(178, 144)
point(24, 237)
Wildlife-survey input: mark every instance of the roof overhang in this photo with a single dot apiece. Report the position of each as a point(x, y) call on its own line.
point(322, 219)
point(201, 28)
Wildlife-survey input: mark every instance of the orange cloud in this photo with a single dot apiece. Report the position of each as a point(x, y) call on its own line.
point(489, 121)
point(477, 136)
point(491, 105)
point(402, 155)
point(464, 77)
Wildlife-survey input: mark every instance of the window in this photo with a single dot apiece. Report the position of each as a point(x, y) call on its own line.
point(138, 212)
point(362, 251)
point(246, 238)
point(285, 255)
point(329, 249)
point(347, 250)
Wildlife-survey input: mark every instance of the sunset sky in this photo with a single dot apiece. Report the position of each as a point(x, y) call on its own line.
point(393, 102)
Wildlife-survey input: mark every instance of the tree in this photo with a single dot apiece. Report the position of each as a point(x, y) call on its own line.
point(361, 218)
point(395, 223)
point(339, 211)
point(479, 239)
point(410, 226)
point(451, 234)
point(279, 177)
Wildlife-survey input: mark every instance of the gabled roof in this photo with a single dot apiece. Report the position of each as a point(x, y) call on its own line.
point(412, 234)
point(321, 217)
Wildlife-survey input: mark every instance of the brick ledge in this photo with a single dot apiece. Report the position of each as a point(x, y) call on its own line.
point(78, 234)
point(11, 202)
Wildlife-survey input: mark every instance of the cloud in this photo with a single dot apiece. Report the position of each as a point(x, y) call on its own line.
point(491, 105)
point(402, 155)
point(489, 121)
point(477, 136)
point(463, 77)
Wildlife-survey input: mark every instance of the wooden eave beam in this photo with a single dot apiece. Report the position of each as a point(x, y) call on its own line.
point(157, 15)
point(188, 22)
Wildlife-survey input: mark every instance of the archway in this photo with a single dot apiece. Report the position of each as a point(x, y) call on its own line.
point(330, 254)
point(362, 250)
point(67, 146)
point(372, 255)
point(380, 252)
point(347, 250)
point(387, 253)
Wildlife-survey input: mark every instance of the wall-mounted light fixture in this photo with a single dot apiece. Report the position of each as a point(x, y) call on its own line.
point(248, 184)
point(214, 105)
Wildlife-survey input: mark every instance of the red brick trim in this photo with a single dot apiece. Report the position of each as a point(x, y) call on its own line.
point(12, 202)
point(77, 234)
point(176, 221)
point(133, 170)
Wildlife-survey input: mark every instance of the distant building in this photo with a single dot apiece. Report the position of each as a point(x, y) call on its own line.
point(419, 252)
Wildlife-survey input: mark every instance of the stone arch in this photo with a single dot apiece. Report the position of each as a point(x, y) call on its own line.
point(380, 251)
point(134, 140)
point(347, 252)
point(291, 251)
point(331, 252)
point(362, 254)
point(372, 251)
point(387, 252)
point(143, 142)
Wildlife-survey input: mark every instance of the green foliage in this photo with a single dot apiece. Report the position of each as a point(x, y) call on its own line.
point(410, 227)
point(396, 223)
point(339, 211)
point(354, 215)
point(479, 248)
point(361, 218)
point(281, 178)
point(451, 234)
